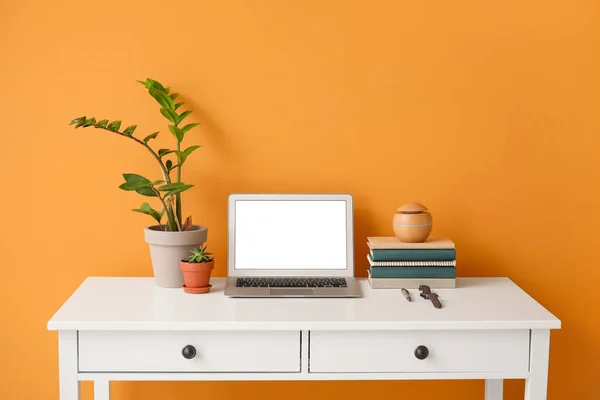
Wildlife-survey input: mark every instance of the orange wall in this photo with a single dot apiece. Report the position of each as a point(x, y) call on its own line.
point(487, 112)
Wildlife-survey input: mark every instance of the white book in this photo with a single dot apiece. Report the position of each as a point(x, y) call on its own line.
point(410, 283)
point(410, 263)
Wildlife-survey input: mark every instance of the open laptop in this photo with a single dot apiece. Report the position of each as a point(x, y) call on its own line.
point(291, 245)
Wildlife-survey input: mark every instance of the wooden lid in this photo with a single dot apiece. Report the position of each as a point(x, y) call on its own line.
point(411, 208)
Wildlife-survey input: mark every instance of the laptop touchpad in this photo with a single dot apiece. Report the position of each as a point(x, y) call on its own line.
point(292, 292)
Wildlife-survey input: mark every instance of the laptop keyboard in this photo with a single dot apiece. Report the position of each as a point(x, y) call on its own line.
point(292, 282)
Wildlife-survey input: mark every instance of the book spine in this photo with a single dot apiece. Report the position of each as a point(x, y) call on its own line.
point(413, 272)
point(408, 283)
point(414, 255)
point(411, 263)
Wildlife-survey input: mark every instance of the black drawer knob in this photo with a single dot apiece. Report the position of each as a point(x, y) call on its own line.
point(189, 352)
point(421, 352)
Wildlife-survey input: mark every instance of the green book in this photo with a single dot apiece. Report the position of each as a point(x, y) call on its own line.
point(414, 272)
point(413, 255)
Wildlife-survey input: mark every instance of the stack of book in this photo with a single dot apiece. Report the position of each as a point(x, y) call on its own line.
point(395, 264)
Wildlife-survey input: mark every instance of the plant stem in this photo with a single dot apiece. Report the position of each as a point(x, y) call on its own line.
point(168, 211)
point(178, 195)
point(174, 215)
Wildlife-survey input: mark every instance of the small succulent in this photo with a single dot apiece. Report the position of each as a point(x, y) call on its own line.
point(200, 255)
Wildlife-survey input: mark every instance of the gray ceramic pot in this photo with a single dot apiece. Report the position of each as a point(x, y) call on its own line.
point(168, 248)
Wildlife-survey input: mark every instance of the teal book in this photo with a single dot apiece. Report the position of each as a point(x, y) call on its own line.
point(413, 255)
point(414, 272)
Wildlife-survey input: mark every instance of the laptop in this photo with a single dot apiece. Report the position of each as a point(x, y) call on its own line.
point(291, 245)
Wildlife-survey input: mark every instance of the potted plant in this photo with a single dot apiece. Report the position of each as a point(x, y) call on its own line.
point(171, 241)
point(196, 271)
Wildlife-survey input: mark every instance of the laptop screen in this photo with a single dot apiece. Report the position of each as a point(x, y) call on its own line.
point(290, 234)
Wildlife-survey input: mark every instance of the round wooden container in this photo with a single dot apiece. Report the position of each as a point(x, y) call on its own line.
point(412, 223)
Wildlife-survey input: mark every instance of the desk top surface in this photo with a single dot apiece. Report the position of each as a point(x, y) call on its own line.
point(138, 304)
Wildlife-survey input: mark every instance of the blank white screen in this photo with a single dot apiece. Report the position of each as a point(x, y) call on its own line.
point(290, 234)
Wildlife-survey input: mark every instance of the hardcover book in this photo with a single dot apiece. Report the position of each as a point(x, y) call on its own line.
point(413, 255)
point(413, 272)
point(410, 263)
point(395, 243)
point(408, 283)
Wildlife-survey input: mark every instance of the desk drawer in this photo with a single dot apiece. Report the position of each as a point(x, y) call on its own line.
point(394, 351)
point(161, 351)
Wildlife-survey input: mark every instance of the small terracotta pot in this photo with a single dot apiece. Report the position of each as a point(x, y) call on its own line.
point(196, 275)
point(412, 223)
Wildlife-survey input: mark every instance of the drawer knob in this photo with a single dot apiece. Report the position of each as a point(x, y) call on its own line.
point(189, 352)
point(421, 352)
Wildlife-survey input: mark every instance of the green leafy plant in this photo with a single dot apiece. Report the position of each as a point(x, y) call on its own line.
point(168, 190)
point(200, 255)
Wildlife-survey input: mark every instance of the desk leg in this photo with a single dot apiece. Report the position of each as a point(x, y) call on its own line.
point(494, 389)
point(536, 386)
point(101, 389)
point(68, 365)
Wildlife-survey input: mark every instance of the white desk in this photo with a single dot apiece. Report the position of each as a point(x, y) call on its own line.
point(127, 329)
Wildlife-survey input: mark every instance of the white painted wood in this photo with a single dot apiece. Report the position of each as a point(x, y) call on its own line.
point(536, 385)
point(135, 331)
point(304, 352)
point(67, 365)
point(138, 304)
point(101, 389)
point(217, 351)
point(494, 389)
point(284, 376)
point(502, 351)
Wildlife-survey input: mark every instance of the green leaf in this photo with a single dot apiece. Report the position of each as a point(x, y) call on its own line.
point(145, 208)
point(80, 123)
point(174, 188)
point(135, 178)
point(173, 96)
point(159, 98)
point(177, 105)
point(151, 136)
point(148, 210)
point(89, 122)
point(114, 126)
point(162, 98)
point(173, 115)
point(184, 114)
point(164, 152)
point(169, 114)
point(166, 114)
point(102, 124)
point(189, 126)
point(171, 186)
point(135, 182)
point(77, 121)
point(152, 84)
point(182, 155)
point(167, 90)
point(169, 165)
point(177, 132)
point(157, 183)
point(178, 190)
point(147, 191)
point(129, 130)
point(129, 186)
